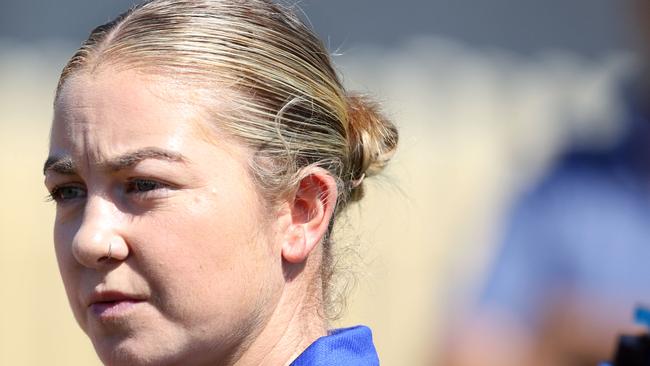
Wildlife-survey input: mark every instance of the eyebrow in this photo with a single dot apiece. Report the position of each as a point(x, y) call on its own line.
point(65, 165)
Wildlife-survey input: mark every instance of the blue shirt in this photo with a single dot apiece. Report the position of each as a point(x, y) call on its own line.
point(347, 346)
point(584, 228)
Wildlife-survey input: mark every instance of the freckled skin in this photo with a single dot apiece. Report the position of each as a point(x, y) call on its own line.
point(197, 247)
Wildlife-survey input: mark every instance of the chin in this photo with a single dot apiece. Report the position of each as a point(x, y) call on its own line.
point(151, 350)
point(123, 355)
point(131, 350)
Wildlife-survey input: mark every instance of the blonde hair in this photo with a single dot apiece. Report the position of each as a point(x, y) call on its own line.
point(292, 110)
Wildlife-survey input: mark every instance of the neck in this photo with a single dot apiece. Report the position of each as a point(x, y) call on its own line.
point(295, 323)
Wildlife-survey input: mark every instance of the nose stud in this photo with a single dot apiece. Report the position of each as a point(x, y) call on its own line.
point(109, 254)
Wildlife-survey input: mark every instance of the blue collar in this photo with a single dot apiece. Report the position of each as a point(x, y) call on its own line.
point(347, 346)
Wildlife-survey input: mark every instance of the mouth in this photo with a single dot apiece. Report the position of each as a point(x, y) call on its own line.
point(112, 304)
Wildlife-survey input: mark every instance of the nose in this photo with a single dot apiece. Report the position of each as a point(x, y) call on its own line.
point(98, 240)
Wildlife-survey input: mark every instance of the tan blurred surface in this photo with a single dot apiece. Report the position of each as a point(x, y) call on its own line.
point(37, 327)
point(474, 126)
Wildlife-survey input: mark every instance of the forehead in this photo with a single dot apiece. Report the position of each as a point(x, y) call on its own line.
point(106, 112)
point(105, 96)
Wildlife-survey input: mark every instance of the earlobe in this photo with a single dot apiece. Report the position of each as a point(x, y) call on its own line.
point(293, 249)
point(311, 209)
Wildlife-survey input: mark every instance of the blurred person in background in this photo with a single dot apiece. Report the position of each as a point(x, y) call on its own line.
point(574, 258)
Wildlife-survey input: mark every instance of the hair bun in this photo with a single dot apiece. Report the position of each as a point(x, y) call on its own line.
point(372, 139)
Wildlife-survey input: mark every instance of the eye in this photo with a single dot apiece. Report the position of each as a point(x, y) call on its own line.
point(143, 185)
point(67, 193)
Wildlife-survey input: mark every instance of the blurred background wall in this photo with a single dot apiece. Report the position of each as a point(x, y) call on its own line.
point(485, 93)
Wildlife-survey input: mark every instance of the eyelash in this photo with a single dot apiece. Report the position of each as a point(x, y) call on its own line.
point(138, 186)
point(56, 192)
point(134, 184)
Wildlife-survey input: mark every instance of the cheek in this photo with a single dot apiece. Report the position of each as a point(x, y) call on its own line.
point(208, 247)
point(68, 266)
point(63, 235)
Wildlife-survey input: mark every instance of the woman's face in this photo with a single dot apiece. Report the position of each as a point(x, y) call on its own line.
point(195, 266)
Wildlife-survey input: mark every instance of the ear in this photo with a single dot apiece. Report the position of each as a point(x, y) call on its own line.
point(311, 209)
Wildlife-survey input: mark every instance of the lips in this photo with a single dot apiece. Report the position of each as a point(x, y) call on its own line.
point(105, 304)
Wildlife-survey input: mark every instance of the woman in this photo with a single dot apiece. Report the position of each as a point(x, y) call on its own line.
point(200, 152)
